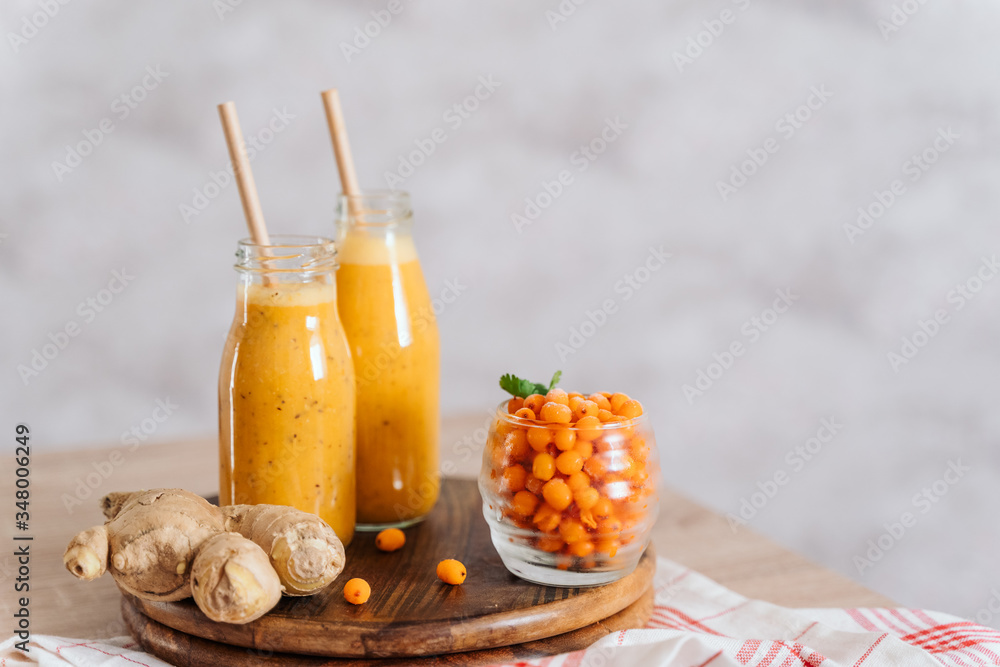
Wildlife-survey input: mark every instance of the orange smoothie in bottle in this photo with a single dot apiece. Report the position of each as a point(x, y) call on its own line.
point(287, 387)
point(393, 338)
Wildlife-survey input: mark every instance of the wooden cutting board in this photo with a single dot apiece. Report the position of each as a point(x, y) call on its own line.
point(186, 650)
point(410, 612)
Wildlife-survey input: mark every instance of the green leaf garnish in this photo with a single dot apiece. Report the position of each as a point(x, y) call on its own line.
point(523, 388)
point(516, 386)
point(554, 381)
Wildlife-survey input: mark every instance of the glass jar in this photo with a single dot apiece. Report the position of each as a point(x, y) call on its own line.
point(583, 519)
point(393, 336)
point(286, 385)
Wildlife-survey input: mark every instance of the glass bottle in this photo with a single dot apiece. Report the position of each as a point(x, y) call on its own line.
point(393, 337)
point(286, 385)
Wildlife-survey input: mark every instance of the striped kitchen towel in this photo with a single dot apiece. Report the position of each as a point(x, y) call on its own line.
point(698, 623)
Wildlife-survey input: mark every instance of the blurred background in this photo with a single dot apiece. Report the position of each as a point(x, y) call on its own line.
point(773, 223)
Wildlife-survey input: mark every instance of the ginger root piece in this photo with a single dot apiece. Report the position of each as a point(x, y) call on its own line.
point(232, 580)
point(87, 554)
point(304, 550)
point(153, 537)
point(244, 554)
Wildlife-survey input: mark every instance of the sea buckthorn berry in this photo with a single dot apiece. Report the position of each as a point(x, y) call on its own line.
point(534, 403)
point(556, 412)
point(612, 438)
point(572, 530)
point(565, 438)
point(357, 591)
point(588, 428)
point(496, 439)
point(557, 494)
point(628, 465)
point(582, 549)
point(524, 503)
point(515, 476)
point(586, 409)
point(575, 394)
point(630, 519)
point(502, 428)
point(550, 544)
point(519, 521)
point(639, 476)
point(525, 413)
point(547, 518)
point(517, 445)
point(629, 409)
point(606, 416)
point(602, 401)
point(515, 404)
point(574, 403)
point(569, 462)
point(588, 519)
point(577, 481)
point(640, 450)
point(543, 467)
point(586, 498)
point(557, 395)
point(451, 571)
point(636, 470)
point(533, 484)
point(595, 467)
point(607, 545)
point(539, 438)
point(390, 539)
point(609, 526)
point(602, 508)
point(584, 449)
point(618, 400)
point(498, 456)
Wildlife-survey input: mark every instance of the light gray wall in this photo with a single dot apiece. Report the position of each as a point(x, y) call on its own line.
point(523, 290)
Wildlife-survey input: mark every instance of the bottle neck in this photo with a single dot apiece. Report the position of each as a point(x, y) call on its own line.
point(360, 245)
point(308, 299)
point(375, 228)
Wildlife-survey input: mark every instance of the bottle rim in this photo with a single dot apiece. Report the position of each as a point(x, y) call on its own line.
point(287, 253)
point(374, 208)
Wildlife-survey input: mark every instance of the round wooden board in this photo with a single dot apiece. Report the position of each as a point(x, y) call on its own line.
point(185, 650)
point(411, 613)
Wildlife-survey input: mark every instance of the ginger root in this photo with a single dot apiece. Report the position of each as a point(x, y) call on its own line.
point(87, 554)
point(304, 550)
point(232, 580)
point(170, 544)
